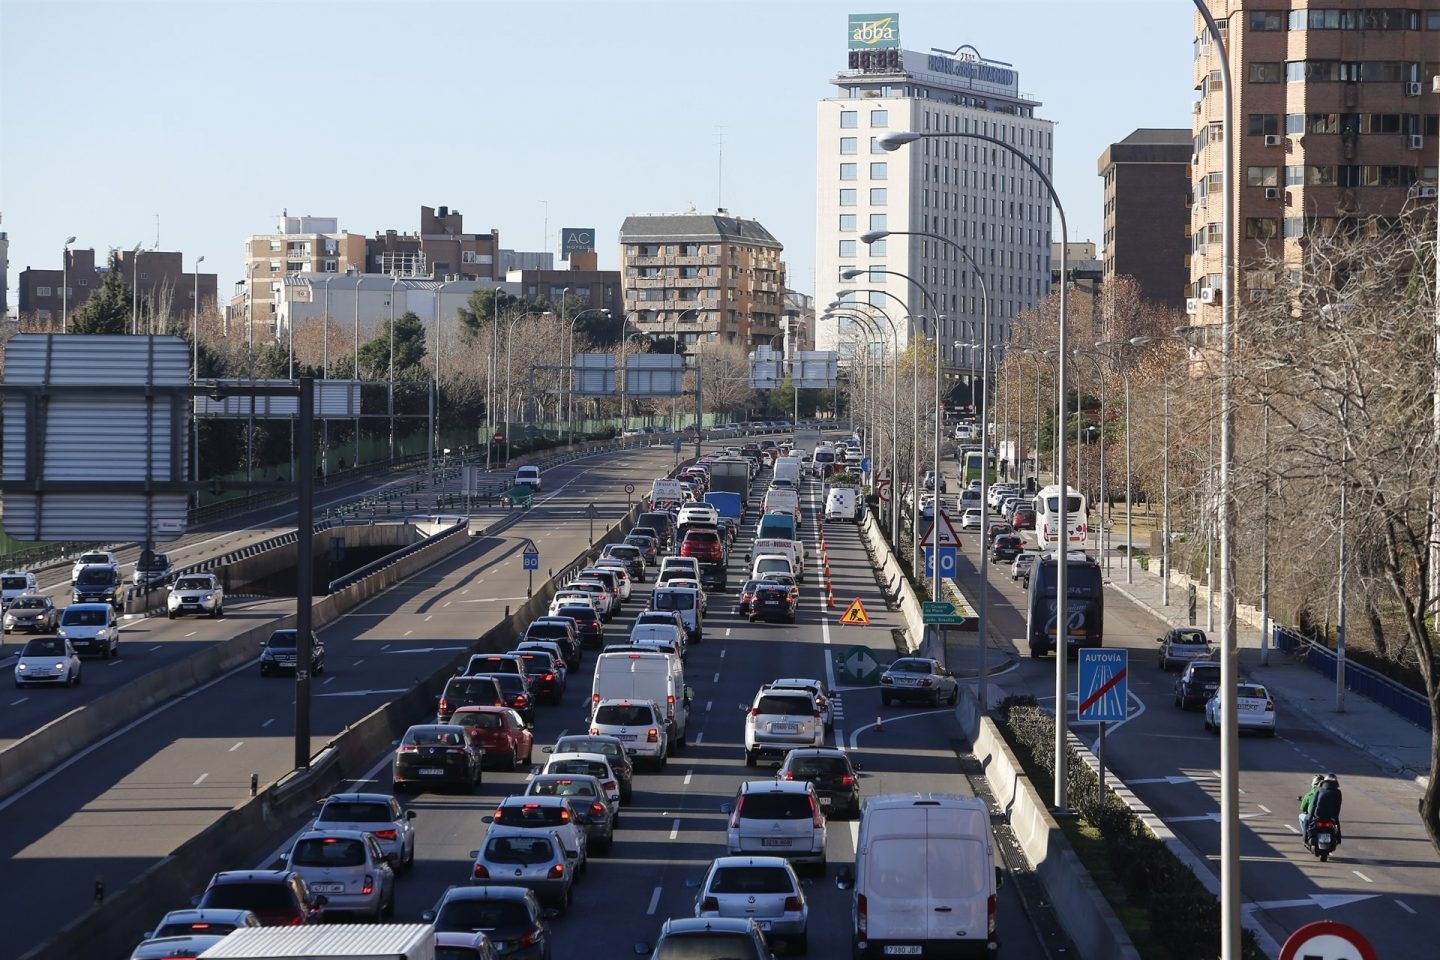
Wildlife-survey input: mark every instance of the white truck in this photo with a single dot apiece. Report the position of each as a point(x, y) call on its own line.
point(349, 941)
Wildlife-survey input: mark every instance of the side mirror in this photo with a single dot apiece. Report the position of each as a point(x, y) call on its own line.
point(474, 854)
point(490, 819)
point(285, 857)
point(547, 749)
point(642, 948)
point(726, 807)
point(194, 901)
point(428, 916)
point(409, 814)
point(856, 766)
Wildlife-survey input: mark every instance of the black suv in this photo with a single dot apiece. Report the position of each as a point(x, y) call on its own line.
point(278, 898)
point(516, 690)
point(561, 630)
point(479, 691)
point(279, 653)
point(1197, 684)
point(835, 778)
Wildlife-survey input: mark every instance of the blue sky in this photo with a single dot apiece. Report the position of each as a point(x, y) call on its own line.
point(216, 115)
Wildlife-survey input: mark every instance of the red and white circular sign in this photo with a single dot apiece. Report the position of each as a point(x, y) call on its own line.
point(1327, 940)
point(629, 488)
point(882, 490)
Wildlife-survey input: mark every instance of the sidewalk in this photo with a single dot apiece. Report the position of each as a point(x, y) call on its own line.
point(1396, 744)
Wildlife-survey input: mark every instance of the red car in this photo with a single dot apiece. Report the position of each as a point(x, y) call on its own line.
point(500, 731)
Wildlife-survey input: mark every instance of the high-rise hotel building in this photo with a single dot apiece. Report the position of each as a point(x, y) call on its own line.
point(1336, 121)
point(970, 192)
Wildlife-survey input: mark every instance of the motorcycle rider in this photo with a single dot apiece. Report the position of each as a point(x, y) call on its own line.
point(1307, 804)
point(1327, 803)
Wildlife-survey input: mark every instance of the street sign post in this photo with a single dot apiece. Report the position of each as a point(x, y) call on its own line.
point(1102, 694)
point(941, 613)
point(949, 561)
point(629, 496)
point(857, 665)
point(864, 464)
point(530, 561)
point(1327, 940)
point(882, 490)
point(591, 513)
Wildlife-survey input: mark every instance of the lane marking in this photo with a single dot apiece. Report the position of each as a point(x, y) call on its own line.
point(1263, 807)
point(717, 678)
point(154, 648)
point(688, 775)
point(654, 902)
point(200, 779)
point(238, 745)
point(722, 653)
point(327, 680)
point(1405, 906)
point(727, 633)
point(267, 723)
point(1362, 876)
point(192, 633)
point(675, 829)
point(700, 737)
point(707, 705)
point(408, 632)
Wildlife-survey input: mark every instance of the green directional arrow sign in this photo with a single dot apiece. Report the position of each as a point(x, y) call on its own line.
point(941, 612)
point(858, 666)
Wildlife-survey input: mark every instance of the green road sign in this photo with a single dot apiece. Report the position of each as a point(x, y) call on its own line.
point(857, 665)
point(941, 613)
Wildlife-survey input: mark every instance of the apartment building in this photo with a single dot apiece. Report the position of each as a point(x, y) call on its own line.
point(702, 276)
point(1147, 212)
point(164, 291)
point(1335, 121)
point(951, 189)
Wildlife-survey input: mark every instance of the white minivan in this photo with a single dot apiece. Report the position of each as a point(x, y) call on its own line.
point(842, 504)
point(925, 877)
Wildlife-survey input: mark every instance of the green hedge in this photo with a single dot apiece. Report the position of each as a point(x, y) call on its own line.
point(1184, 916)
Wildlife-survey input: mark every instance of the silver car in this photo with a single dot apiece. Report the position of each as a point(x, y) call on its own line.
point(530, 858)
point(763, 889)
point(349, 868)
point(377, 814)
point(590, 806)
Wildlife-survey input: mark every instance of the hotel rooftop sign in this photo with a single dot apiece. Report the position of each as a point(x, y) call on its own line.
point(874, 31)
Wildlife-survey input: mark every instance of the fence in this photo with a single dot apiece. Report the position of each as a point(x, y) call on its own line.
point(1395, 697)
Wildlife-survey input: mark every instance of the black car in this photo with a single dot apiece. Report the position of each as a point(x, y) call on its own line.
point(648, 545)
point(835, 778)
point(474, 691)
point(516, 690)
point(508, 915)
point(1197, 684)
point(545, 682)
point(588, 622)
point(278, 654)
point(663, 523)
point(747, 596)
point(996, 529)
point(772, 601)
point(1006, 547)
point(561, 630)
point(98, 583)
point(436, 753)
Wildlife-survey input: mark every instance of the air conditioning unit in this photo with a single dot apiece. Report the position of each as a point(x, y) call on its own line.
point(1416, 142)
point(1425, 192)
point(1272, 193)
point(1272, 139)
point(1210, 295)
point(1194, 159)
point(1412, 89)
point(1192, 306)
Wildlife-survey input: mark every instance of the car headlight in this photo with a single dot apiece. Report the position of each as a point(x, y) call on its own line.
point(62, 633)
point(102, 634)
point(206, 597)
point(59, 664)
point(21, 667)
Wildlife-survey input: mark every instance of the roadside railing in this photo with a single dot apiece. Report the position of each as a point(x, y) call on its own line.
point(1395, 697)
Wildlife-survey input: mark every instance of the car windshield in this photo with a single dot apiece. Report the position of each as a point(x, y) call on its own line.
point(1205, 673)
point(776, 806)
point(44, 648)
point(623, 714)
point(774, 705)
point(1251, 691)
point(519, 850)
point(190, 928)
point(482, 915)
point(587, 745)
point(328, 852)
point(578, 613)
point(193, 583)
point(706, 945)
point(13, 583)
point(260, 897)
point(477, 719)
point(95, 576)
point(82, 618)
point(804, 767)
point(522, 814)
point(94, 558)
point(29, 603)
point(562, 787)
point(432, 737)
point(283, 638)
point(751, 880)
point(1189, 636)
point(354, 811)
point(588, 767)
point(664, 600)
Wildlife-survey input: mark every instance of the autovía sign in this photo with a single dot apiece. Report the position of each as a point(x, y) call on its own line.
point(874, 31)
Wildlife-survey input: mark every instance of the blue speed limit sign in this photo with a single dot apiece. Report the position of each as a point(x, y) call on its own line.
point(949, 561)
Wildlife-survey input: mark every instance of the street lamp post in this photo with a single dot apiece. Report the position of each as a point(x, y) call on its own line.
point(324, 374)
point(570, 371)
point(893, 504)
point(893, 141)
point(1129, 482)
point(135, 291)
point(194, 375)
point(435, 393)
point(250, 371)
point(65, 283)
point(359, 282)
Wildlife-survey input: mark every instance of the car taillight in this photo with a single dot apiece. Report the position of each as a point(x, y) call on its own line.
point(444, 706)
point(862, 921)
point(594, 731)
point(597, 809)
point(847, 781)
point(608, 785)
point(547, 676)
point(499, 814)
point(710, 904)
point(521, 700)
point(788, 775)
point(652, 735)
point(386, 834)
point(369, 885)
point(1269, 707)
point(556, 871)
point(480, 873)
point(816, 816)
point(792, 904)
point(594, 698)
point(884, 680)
point(990, 916)
point(408, 748)
point(735, 817)
point(530, 936)
point(754, 711)
point(815, 715)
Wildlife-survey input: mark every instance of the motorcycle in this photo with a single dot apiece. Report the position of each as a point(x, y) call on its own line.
point(1324, 838)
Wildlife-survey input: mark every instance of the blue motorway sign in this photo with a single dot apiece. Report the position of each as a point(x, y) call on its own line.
point(949, 561)
point(1101, 694)
point(864, 464)
point(530, 556)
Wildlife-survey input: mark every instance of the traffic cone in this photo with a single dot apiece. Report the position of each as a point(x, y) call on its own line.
point(879, 723)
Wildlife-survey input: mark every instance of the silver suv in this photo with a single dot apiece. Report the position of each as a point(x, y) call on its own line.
point(780, 720)
point(777, 818)
point(196, 593)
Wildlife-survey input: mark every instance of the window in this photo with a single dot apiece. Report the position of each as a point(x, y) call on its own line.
point(875, 146)
point(849, 145)
point(1261, 228)
point(847, 223)
point(1266, 72)
point(1262, 124)
point(879, 118)
point(849, 171)
point(847, 197)
point(877, 222)
point(1262, 177)
point(1266, 20)
point(877, 248)
point(848, 119)
point(879, 171)
point(42, 291)
point(878, 196)
point(1294, 227)
point(1320, 175)
point(847, 248)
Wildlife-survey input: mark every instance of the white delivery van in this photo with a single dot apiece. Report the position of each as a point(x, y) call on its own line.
point(641, 676)
point(772, 563)
point(789, 549)
point(788, 468)
point(925, 877)
point(841, 503)
point(328, 941)
point(782, 500)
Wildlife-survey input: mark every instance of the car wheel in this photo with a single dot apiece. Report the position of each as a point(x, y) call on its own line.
point(76, 680)
point(751, 759)
point(115, 650)
point(514, 763)
point(170, 614)
point(19, 685)
point(626, 792)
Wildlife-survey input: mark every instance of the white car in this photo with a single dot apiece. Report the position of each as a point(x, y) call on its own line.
point(764, 889)
point(816, 688)
point(528, 477)
point(570, 598)
point(618, 570)
point(595, 765)
point(640, 725)
point(779, 720)
point(605, 601)
point(96, 558)
point(17, 583)
point(196, 593)
point(49, 660)
point(777, 818)
point(1254, 709)
point(972, 518)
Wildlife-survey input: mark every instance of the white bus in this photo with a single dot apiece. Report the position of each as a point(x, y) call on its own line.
point(1047, 516)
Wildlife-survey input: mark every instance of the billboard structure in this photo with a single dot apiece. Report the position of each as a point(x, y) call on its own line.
point(654, 375)
point(767, 368)
point(594, 375)
point(334, 399)
point(576, 240)
point(816, 369)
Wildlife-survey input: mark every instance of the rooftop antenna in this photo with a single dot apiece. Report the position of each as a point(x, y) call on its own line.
point(157, 231)
point(720, 171)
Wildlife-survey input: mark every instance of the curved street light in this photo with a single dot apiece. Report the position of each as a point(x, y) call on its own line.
point(570, 371)
point(894, 410)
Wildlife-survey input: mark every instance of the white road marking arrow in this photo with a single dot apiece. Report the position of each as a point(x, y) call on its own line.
point(1172, 781)
point(1325, 901)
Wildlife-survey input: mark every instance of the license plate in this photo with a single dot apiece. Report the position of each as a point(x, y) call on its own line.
point(627, 737)
point(1323, 838)
point(763, 925)
point(784, 728)
point(328, 887)
point(432, 772)
point(775, 842)
point(825, 801)
point(903, 950)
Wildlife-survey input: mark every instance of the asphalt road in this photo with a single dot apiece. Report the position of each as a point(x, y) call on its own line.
point(1383, 880)
point(126, 803)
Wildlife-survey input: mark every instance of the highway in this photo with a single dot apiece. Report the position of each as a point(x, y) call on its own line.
point(141, 795)
point(1382, 880)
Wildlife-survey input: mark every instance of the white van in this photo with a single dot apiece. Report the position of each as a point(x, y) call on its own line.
point(788, 468)
point(782, 500)
point(925, 877)
point(842, 504)
point(772, 563)
point(785, 548)
point(686, 602)
point(641, 676)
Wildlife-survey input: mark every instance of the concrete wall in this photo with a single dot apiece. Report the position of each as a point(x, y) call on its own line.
point(889, 571)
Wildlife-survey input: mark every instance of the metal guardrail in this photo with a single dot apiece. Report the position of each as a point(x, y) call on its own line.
point(1395, 697)
point(355, 576)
